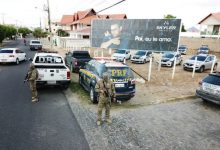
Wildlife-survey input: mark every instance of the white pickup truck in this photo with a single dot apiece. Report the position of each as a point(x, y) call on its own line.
point(52, 69)
point(35, 45)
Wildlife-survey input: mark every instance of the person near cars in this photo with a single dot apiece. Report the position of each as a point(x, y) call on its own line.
point(25, 42)
point(106, 90)
point(32, 76)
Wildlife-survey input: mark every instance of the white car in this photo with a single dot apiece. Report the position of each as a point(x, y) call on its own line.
point(141, 56)
point(121, 54)
point(204, 62)
point(52, 69)
point(12, 55)
point(169, 57)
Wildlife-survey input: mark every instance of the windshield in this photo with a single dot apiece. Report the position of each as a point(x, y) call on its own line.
point(81, 55)
point(49, 59)
point(168, 55)
point(212, 79)
point(182, 47)
point(204, 48)
point(120, 73)
point(199, 58)
point(140, 52)
point(120, 51)
point(35, 42)
point(6, 51)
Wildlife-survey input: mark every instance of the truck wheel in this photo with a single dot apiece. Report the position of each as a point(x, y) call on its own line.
point(93, 97)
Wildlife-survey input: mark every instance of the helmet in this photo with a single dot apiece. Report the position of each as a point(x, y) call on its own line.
point(32, 66)
point(105, 76)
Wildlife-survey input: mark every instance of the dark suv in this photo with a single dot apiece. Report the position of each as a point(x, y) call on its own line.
point(119, 73)
point(77, 59)
point(209, 88)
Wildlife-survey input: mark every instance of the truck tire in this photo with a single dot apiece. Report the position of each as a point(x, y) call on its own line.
point(93, 97)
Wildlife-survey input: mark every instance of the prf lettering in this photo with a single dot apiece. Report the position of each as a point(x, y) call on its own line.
point(119, 73)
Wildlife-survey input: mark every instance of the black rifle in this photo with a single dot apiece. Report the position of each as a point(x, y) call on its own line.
point(107, 94)
point(26, 78)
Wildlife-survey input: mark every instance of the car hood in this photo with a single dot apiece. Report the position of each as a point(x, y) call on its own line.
point(118, 55)
point(192, 61)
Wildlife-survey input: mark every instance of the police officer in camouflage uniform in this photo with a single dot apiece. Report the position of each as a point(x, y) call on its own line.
point(104, 87)
point(32, 76)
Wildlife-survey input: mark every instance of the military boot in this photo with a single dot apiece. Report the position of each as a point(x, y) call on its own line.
point(98, 123)
point(109, 121)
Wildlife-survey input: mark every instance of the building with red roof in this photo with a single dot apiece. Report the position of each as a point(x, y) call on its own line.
point(211, 23)
point(78, 25)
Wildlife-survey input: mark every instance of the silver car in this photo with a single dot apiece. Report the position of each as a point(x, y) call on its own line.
point(204, 61)
point(209, 88)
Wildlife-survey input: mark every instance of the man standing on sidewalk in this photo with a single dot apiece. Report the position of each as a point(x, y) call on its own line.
point(106, 90)
point(32, 76)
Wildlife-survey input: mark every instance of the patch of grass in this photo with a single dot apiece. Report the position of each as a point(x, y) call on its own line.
point(78, 89)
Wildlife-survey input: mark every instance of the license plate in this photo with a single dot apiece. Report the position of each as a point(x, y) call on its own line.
point(3, 60)
point(119, 85)
point(51, 82)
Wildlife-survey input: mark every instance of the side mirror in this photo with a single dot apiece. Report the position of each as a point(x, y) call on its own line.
point(30, 59)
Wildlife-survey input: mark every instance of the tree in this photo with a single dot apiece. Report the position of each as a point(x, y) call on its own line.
point(38, 33)
point(2, 33)
point(169, 16)
point(24, 31)
point(62, 33)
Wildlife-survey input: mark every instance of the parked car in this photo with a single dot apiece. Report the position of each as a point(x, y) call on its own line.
point(52, 69)
point(183, 49)
point(77, 59)
point(209, 88)
point(12, 55)
point(119, 73)
point(141, 56)
point(121, 54)
point(204, 61)
point(204, 49)
point(35, 45)
point(169, 57)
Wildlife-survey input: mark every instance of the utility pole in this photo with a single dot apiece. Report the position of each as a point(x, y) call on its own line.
point(49, 19)
point(3, 18)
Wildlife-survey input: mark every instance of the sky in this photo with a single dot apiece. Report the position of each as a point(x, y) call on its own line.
point(30, 13)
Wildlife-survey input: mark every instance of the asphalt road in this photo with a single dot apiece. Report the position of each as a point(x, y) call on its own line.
point(46, 125)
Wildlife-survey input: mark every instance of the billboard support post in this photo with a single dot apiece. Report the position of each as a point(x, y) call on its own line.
point(159, 64)
point(149, 71)
point(213, 64)
point(174, 68)
point(194, 67)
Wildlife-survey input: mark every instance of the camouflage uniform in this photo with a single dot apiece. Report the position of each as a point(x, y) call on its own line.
point(32, 77)
point(101, 86)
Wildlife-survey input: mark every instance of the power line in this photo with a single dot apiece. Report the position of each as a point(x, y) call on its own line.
point(110, 6)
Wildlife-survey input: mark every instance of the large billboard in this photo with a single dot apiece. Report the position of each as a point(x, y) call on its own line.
point(139, 34)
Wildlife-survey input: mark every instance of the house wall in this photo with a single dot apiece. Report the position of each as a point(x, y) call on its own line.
point(211, 21)
point(195, 43)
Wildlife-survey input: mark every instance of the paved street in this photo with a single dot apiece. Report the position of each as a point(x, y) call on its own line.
point(47, 125)
point(183, 125)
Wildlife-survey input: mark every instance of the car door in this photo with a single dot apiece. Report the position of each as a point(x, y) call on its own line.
point(208, 62)
point(18, 54)
point(22, 54)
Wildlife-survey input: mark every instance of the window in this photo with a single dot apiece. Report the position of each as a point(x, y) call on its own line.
point(6, 51)
point(212, 79)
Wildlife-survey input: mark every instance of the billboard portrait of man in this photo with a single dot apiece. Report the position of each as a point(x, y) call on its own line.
point(112, 38)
